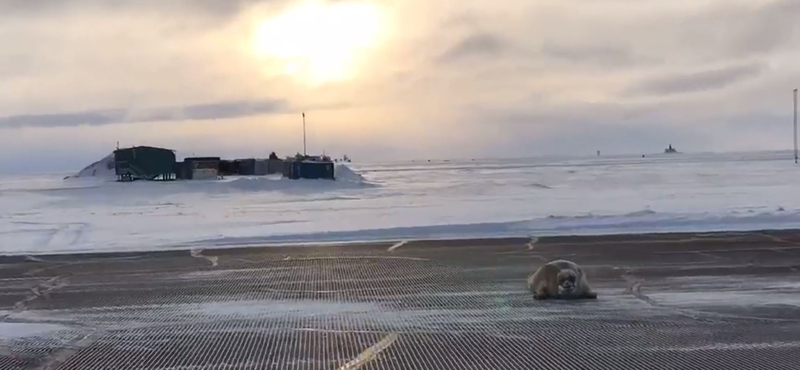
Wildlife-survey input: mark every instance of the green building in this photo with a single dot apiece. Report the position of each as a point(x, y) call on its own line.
point(144, 163)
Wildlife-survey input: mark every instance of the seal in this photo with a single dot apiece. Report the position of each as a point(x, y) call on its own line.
point(560, 279)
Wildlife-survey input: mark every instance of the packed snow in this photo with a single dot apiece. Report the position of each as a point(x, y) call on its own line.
point(403, 201)
point(103, 168)
point(344, 173)
point(11, 330)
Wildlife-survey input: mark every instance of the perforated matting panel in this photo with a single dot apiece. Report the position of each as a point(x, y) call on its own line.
point(728, 301)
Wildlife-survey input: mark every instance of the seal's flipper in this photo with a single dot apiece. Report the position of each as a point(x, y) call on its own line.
point(541, 293)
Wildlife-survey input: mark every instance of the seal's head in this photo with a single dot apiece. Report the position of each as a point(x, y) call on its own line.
point(567, 281)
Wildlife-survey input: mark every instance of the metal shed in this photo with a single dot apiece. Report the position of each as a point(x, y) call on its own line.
point(227, 168)
point(268, 166)
point(144, 162)
point(245, 167)
point(275, 166)
point(308, 170)
point(202, 168)
point(183, 171)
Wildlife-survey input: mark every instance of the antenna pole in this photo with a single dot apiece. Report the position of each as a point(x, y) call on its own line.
point(795, 125)
point(304, 135)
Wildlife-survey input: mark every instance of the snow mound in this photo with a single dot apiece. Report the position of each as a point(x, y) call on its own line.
point(344, 173)
point(103, 168)
point(269, 183)
point(643, 212)
point(251, 183)
point(638, 223)
point(10, 330)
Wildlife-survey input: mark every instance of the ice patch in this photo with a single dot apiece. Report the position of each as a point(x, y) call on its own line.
point(716, 347)
point(252, 309)
point(726, 298)
point(715, 291)
point(13, 330)
point(397, 245)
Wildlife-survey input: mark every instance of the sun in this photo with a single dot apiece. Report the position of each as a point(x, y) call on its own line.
point(319, 41)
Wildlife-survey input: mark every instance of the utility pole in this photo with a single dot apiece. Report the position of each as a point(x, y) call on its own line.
point(304, 136)
point(795, 126)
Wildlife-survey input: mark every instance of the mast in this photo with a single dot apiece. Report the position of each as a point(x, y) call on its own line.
point(795, 125)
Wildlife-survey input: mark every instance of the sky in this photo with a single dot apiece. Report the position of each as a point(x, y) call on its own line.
point(393, 79)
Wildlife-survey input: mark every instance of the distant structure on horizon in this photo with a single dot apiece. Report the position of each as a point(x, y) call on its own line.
point(303, 166)
point(670, 150)
point(144, 163)
point(151, 163)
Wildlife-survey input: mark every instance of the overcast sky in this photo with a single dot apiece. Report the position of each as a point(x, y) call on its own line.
point(384, 80)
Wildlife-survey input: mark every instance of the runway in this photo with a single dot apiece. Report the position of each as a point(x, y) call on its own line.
point(666, 301)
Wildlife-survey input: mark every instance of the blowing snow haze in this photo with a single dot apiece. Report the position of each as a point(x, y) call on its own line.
point(393, 79)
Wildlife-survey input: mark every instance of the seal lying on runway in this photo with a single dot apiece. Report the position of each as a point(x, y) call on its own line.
point(560, 279)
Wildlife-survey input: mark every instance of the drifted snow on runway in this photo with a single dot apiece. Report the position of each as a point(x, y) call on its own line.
point(403, 201)
point(10, 330)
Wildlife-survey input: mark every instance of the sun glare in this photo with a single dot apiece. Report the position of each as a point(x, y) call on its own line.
point(319, 41)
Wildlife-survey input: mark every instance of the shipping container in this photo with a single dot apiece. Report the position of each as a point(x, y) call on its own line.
point(202, 167)
point(308, 170)
point(227, 168)
point(245, 167)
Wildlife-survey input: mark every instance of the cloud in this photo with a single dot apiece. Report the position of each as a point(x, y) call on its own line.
point(746, 30)
point(222, 110)
point(601, 55)
point(217, 8)
point(91, 118)
point(475, 45)
point(705, 80)
point(231, 109)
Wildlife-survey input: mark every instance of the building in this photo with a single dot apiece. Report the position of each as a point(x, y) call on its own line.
point(144, 163)
point(150, 163)
point(199, 168)
point(211, 167)
point(227, 168)
point(268, 166)
point(275, 166)
point(182, 171)
point(308, 169)
point(245, 167)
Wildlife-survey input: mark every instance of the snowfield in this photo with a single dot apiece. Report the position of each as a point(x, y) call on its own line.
point(399, 201)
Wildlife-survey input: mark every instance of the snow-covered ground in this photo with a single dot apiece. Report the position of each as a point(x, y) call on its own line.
point(409, 200)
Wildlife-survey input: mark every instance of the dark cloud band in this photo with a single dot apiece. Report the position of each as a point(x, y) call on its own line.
point(221, 110)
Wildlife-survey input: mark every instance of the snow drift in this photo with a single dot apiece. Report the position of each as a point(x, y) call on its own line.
point(344, 173)
point(634, 222)
point(103, 168)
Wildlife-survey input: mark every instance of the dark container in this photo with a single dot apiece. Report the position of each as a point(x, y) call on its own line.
point(144, 163)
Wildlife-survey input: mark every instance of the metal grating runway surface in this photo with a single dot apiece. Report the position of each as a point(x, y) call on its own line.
point(677, 301)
